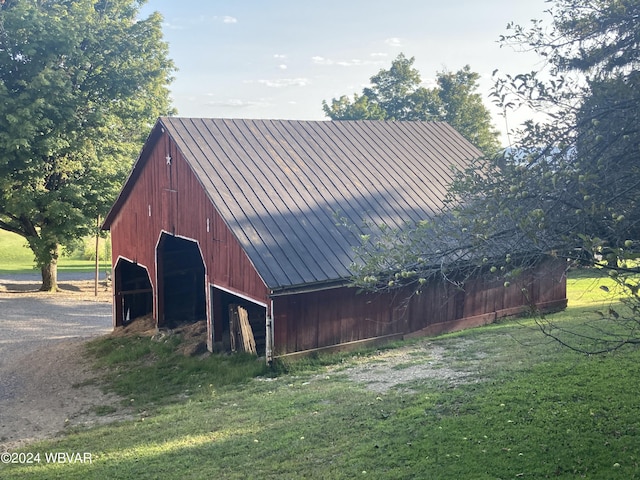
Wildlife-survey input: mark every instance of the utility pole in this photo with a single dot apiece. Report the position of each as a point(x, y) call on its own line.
point(97, 256)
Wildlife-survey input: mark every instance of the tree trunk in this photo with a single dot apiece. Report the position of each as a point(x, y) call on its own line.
point(50, 272)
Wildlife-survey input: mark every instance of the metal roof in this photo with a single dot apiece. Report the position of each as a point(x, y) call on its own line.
point(282, 186)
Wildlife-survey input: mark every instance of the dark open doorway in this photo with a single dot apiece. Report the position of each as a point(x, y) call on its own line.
point(133, 292)
point(223, 303)
point(181, 282)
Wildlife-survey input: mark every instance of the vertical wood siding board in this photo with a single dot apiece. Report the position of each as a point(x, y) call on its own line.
point(432, 301)
point(308, 325)
point(293, 324)
point(322, 222)
point(287, 203)
point(206, 151)
point(281, 311)
point(409, 170)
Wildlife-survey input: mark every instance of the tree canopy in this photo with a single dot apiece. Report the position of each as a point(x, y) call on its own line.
point(569, 188)
point(81, 82)
point(397, 94)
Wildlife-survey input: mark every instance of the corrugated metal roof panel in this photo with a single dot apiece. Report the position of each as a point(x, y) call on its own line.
point(280, 185)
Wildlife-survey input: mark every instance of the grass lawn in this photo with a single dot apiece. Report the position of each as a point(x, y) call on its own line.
point(16, 257)
point(527, 408)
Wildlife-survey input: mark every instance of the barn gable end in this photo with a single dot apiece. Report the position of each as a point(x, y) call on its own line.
point(163, 198)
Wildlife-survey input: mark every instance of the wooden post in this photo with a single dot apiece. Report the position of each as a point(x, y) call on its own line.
point(97, 277)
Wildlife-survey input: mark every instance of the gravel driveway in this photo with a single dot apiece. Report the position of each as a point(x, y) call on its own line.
point(29, 321)
point(41, 356)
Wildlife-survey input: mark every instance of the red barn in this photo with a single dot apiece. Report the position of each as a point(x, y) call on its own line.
point(246, 212)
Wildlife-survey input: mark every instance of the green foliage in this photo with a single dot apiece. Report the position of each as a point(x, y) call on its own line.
point(396, 94)
point(567, 188)
point(13, 254)
point(80, 84)
point(16, 257)
point(85, 249)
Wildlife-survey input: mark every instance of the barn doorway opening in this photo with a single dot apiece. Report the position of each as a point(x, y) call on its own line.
point(181, 282)
point(133, 292)
point(238, 323)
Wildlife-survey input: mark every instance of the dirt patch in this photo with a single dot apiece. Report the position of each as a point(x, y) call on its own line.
point(144, 326)
point(194, 338)
point(399, 367)
point(53, 390)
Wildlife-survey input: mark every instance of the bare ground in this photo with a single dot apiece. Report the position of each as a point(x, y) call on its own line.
point(399, 368)
point(46, 382)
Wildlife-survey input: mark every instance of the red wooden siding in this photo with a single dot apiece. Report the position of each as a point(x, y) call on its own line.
point(337, 316)
point(168, 197)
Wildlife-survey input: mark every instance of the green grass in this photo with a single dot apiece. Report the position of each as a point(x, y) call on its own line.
point(16, 257)
point(151, 373)
point(534, 410)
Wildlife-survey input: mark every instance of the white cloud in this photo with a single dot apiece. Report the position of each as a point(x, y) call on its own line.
point(285, 82)
point(354, 62)
point(172, 26)
point(379, 54)
point(279, 56)
point(321, 60)
point(237, 103)
point(282, 66)
point(228, 19)
point(393, 42)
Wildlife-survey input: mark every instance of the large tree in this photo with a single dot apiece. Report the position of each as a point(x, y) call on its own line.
point(397, 94)
point(570, 186)
point(81, 82)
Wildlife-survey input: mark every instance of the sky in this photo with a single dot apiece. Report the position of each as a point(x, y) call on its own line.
point(279, 59)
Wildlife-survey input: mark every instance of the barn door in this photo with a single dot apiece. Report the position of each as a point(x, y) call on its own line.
point(170, 209)
point(181, 281)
